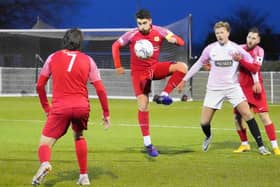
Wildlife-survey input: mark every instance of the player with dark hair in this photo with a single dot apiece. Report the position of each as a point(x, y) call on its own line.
point(143, 71)
point(223, 83)
point(253, 88)
point(70, 70)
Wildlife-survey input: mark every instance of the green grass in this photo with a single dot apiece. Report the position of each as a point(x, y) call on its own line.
point(116, 156)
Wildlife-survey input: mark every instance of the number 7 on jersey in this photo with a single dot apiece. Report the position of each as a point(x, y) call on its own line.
point(73, 57)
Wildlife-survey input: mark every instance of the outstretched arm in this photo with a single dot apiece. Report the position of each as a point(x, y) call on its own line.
point(204, 58)
point(102, 95)
point(116, 57)
point(194, 69)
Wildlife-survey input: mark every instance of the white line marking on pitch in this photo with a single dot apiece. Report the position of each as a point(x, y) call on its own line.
point(130, 125)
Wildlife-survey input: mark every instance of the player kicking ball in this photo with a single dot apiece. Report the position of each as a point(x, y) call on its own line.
point(144, 70)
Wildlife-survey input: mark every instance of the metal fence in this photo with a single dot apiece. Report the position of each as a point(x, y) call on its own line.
point(21, 81)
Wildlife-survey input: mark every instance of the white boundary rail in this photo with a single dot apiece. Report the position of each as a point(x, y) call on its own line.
point(21, 82)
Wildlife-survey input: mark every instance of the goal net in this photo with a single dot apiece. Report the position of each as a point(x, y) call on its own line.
point(23, 53)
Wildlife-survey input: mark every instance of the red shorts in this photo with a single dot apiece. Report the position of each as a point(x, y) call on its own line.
point(141, 80)
point(58, 122)
point(256, 101)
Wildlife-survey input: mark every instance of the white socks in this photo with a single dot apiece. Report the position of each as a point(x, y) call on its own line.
point(147, 140)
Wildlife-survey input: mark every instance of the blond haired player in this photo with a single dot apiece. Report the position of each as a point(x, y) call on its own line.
point(223, 83)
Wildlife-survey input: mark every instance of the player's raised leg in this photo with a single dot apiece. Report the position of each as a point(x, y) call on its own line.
point(177, 71)
point(143, 120)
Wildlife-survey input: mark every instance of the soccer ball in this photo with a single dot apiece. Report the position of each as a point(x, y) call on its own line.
point(144, 49)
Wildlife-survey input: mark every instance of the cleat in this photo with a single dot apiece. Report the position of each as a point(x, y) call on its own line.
point(163, 99)
point(156, 98)
point(151, 150)
point(44, 170)
point(242, 148)
point(276, 151)
point(206, 143)
point(264, 151)
point(83, 180)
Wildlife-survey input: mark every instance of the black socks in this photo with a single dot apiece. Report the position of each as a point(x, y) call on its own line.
point(206, 129)
point(255, 131)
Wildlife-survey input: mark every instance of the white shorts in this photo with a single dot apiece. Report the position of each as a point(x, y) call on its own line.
point(215, 98)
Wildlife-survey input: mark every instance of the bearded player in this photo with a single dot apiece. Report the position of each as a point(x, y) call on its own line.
point(223, 83)
point(143, 71)
point(254, 92)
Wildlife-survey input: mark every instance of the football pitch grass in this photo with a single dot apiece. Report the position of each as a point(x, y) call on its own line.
point(116, 156)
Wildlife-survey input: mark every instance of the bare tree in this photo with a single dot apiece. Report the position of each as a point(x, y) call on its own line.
point(244, 18)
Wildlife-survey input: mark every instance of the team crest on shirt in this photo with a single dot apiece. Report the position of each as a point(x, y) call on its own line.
point(156, 38)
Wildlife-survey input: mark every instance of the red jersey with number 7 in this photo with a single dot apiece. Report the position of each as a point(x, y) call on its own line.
point(70, 72)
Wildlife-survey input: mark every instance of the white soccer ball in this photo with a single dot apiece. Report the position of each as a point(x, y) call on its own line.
point(144, 49)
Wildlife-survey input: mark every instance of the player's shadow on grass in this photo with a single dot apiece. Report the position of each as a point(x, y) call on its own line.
point(171, 150)
point(73, 175)
point(224, 144)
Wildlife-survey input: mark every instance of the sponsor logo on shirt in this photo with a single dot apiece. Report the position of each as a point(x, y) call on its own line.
point(223, 63)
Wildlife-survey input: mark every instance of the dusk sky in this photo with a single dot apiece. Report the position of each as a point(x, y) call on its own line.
point(114, 14)
point(121, 13)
